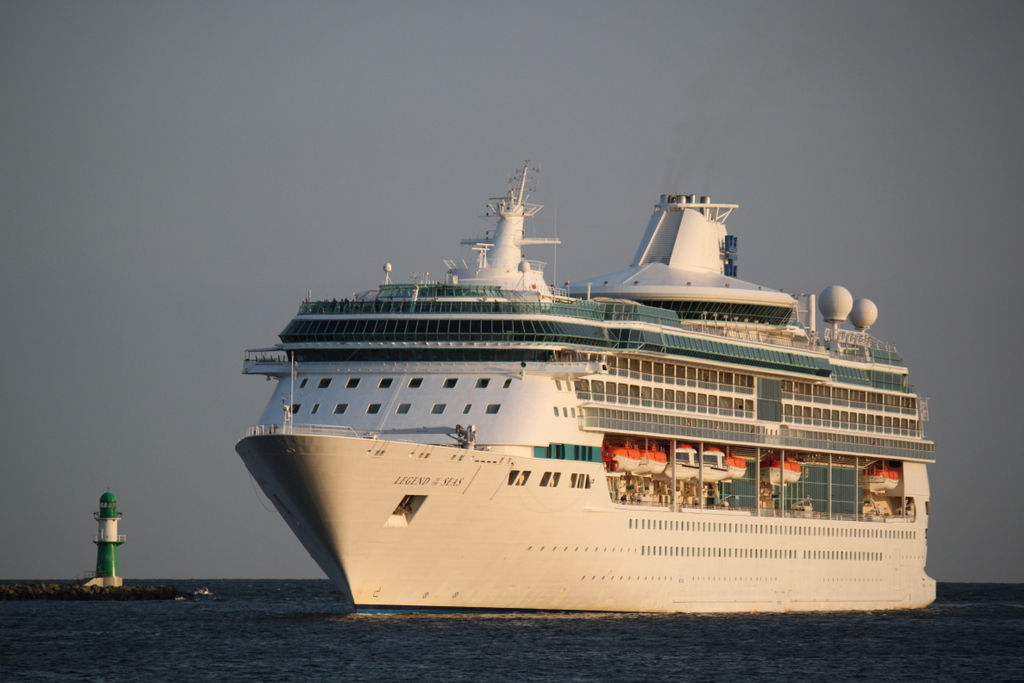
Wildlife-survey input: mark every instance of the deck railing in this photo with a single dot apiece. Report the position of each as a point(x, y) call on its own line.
point(778, 514)
point(303, 429)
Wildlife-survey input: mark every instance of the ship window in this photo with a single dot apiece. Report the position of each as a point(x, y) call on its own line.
point(324, 383)
point(565, 412)
point(493, 408)
point(303, 382)
point(556, 410)
point(554, 479)
point(517, 478)
point(295, 407)
point(373, 408)
point(450, 383)
point(415, 382)
point(403, 408)
point(314, 409)
point(579, 481)
point(352, 383)
point(468, 407)
point(558, 385)
point(507, 384)
point(545, 479)
point(482, 383)
point(385, 383)
point(571, 410)
point(340, 408)
point(438, 408)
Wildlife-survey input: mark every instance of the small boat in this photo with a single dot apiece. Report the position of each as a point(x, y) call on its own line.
point(687, 466)
point(635, 460)
point(880, 478)
point(736, 467)
point(202, 590)
point(790, 472)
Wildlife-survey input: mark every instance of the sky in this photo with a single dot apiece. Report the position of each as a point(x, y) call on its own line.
point(175, 176)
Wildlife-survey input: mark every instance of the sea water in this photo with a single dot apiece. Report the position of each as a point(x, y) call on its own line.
point(280, 630)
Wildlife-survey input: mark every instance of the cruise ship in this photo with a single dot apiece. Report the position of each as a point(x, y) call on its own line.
point(665, 438)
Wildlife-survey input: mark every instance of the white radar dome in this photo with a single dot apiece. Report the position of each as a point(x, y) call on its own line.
point(524, 266)
point(864, 314)
point(835, 303)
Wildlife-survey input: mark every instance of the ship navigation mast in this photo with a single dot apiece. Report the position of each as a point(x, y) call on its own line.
point(500, 260)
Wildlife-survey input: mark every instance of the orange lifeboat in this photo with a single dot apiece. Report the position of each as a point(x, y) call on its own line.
point(653, 462)
point(621, 459)
point(634, 460)
point(880, 478)
point(790, 472)
point(736, 467)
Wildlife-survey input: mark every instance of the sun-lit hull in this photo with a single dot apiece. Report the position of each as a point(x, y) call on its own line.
point(476, 541)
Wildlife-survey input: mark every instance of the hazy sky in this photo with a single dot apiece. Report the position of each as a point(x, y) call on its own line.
point(176, 175)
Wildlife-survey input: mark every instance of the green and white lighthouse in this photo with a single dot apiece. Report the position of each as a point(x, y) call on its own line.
point(106, 541)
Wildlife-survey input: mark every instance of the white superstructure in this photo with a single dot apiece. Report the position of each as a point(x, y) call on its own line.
point(663, 438)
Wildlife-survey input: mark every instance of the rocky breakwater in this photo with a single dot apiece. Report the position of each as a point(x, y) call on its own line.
point(56, 591)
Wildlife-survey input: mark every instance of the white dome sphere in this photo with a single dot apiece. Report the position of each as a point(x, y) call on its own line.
point(524, 266)
point(835, 303)
point(864, 314)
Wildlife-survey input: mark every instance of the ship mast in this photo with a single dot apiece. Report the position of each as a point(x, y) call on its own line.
point(500, 259)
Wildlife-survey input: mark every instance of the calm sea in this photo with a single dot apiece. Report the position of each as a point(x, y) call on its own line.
point(273, 630)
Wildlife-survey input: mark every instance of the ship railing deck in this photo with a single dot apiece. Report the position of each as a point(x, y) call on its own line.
point(306, 430)
point(779, 514)
point(698, 410)
point(723, 330)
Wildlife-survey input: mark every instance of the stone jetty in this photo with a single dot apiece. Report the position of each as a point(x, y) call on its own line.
point(57, 591)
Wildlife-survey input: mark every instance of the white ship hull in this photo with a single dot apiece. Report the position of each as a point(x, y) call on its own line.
point(470, 539)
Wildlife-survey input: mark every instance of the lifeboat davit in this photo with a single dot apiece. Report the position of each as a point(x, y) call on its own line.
point(880, 478)
point(790, 472)
point(735, 466)
point(635, 460)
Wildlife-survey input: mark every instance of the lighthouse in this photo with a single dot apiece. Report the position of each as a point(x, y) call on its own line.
point(106, 541)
